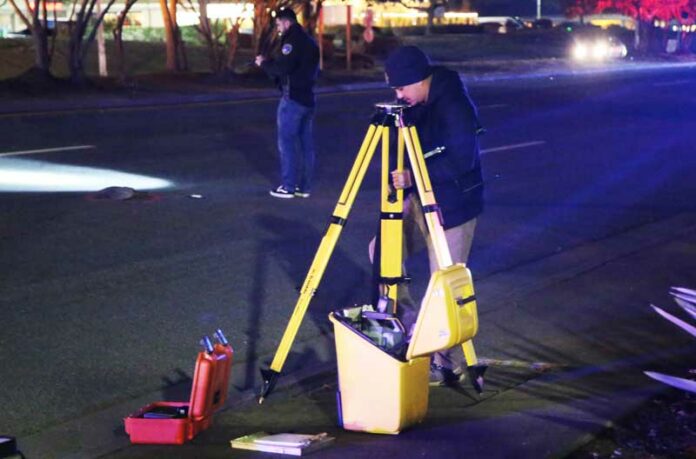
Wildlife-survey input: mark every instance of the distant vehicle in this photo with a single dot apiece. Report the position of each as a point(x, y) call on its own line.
point(26, 33)
point(597, 48)
point(501, 24)
point(574, 26)
point(542, 23)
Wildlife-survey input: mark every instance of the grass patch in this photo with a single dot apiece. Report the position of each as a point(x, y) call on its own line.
point(148, 56)
point(142, 57)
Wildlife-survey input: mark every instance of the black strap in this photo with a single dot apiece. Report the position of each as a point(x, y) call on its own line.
point(394, 280)
point(468, 299)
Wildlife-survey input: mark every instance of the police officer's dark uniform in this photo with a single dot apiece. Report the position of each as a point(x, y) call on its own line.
point(295, 69)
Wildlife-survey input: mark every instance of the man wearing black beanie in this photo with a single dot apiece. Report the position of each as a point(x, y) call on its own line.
point(446, 120)
point(296, 70)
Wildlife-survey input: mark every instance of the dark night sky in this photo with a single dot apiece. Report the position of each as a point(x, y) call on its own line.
point(515, 7)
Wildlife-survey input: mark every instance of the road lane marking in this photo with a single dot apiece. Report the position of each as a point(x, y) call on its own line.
point(513, 146)
point(47, 150)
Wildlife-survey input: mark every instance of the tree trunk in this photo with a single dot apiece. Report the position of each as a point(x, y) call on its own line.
point(232, 44)
point(260, 23)
point(431, 19)
point(263, 30)
point(77, 74)
point(313, 21)
point(75, 51)
point(169, 20)
point(42, 55)
point(40, 35)
point(118, 40)
point(182, 56)
point(685, 42)
point(206, 31)
point(636, 36)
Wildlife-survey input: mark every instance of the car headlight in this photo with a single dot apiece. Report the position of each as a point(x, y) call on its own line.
point(580, 51)
point(623, 51)
point(600, 50)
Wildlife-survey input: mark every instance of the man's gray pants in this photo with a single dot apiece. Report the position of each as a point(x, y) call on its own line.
point(459, 240)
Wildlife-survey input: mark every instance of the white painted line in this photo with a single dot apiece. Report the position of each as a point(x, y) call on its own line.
point(492, 106)
point(47, 150)
point(513, 146)
point(673, 83)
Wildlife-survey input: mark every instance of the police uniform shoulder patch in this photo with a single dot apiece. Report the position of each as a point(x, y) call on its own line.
point(286, 49)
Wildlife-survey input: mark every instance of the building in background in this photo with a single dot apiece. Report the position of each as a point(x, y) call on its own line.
point(148, 14)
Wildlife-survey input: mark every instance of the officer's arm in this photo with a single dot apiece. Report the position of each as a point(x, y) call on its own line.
point(459, 132)
point(286, 62)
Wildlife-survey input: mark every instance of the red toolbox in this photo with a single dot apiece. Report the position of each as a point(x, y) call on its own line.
point(178, 422)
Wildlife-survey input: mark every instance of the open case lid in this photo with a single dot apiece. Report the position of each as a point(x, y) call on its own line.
point(447, 315)
point(210, 381)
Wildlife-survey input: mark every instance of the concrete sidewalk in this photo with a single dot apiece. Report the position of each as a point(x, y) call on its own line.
point(556, 377)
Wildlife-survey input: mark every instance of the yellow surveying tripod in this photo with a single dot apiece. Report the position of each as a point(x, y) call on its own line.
point(391, 240)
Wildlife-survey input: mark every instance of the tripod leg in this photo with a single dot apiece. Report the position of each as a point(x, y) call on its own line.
point(473, 368)
point(321, 258)
point(391, 223)
point(427, 197)
point(437, 234)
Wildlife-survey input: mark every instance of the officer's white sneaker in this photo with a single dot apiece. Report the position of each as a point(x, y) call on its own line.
point(282, 193)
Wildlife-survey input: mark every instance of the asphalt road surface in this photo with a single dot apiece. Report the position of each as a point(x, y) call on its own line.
point(105, 300)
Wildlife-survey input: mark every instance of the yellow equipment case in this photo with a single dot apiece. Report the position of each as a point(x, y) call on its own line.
point(447, 315)
point(385, 391)
point(378, 392)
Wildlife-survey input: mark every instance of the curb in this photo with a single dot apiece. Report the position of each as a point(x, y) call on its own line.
point(32, 107)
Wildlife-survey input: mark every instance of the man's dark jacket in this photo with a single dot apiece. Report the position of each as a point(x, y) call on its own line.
point(449, 119)
point(297, 65)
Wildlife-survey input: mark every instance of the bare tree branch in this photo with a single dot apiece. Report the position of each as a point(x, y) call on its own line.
point(21, 15)
point(95, 27)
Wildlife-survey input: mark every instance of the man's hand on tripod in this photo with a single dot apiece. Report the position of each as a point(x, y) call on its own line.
point(401, 179)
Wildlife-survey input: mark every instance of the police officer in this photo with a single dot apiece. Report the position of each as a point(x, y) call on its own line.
point(446, 120)
point(296, 69)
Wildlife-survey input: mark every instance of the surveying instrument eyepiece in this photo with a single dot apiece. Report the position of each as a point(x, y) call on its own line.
point(390, 242)
point(388, 112)
point(391, 108)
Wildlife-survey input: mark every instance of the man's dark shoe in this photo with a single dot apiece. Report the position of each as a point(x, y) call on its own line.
point(301, 194)
point(281, 192)
point(443, 376)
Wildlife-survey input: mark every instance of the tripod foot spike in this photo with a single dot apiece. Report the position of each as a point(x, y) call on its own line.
point(476, 376)
point(270, 377)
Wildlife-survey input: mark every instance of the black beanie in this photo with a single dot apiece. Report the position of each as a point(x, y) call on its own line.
point(405, 66)
point(286, 13)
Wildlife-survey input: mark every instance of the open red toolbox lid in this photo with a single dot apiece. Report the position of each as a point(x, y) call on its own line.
point(210, 382)
point(179, 422)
